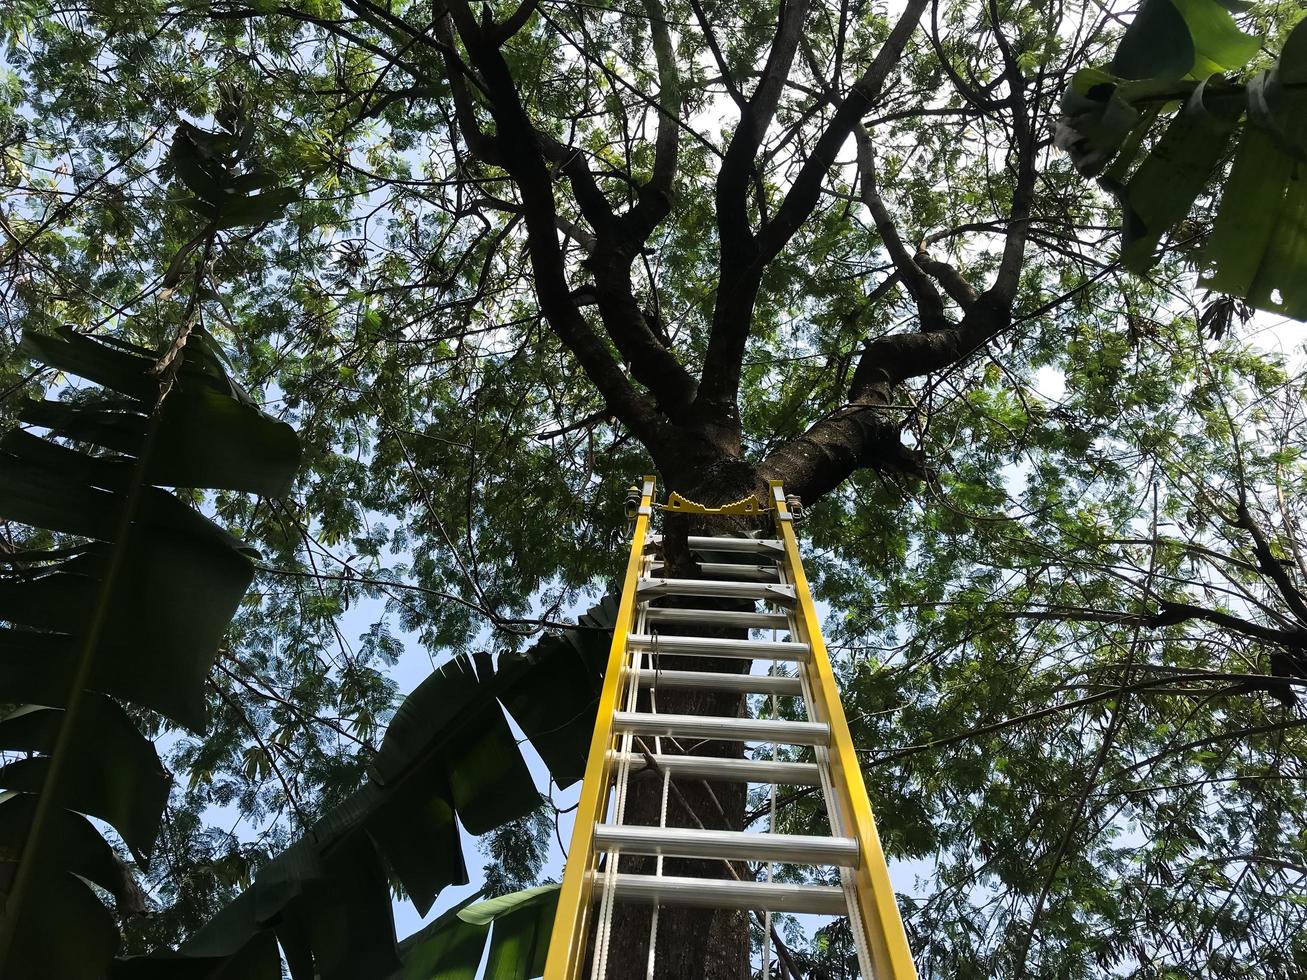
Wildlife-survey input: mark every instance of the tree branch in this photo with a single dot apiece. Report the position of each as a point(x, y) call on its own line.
point(515, 21)
point(743, 258)
point(736, 237)
point(1270, 565)
point(930, 308)
point(959, 290)
point(522, 155)
point(655, 196)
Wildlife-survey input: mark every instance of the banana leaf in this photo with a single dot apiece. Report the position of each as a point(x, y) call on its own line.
point(130, 606)
point(448, 757)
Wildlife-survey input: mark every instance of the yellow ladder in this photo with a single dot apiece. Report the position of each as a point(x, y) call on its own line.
point(638, 661)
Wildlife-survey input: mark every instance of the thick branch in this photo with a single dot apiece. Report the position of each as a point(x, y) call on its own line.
point(618, 240)
point(958, 288)
point(719, 385)
point(930, 308)
point(515, 21)
point(736, 238)
point(484, 147)
point(804, 192)
point(1270, 565)
point(1178, 612)
point(854, 437)
point(1170, 614)
point(523, 158)
point(895, 358)
point(655, 197)
point(1008, 278)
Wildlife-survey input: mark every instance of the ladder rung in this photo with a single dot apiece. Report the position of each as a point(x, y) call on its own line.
point(649, 587)
point(719, 617)
point(723, 893)
point(713, 681)
point(718, 646)
point(730, 729)
point(752, 573)
point(741, 545)
point(731, 770)
point(732, 844)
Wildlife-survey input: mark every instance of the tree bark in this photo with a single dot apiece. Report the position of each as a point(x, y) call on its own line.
point(692, 942)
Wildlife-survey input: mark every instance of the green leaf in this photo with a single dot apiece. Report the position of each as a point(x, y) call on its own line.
point(81, 850)
point(451, 730)
point(48, 485)
point(329, 903)
point(204, 439)
point(173, 600)
point(552, 690)
point(62, 932)
point(484, 913)
point(447, 751)
point(346, 914)
point(37, 668)
point(138, 610)
point(1248, 215)
point(254, 210)
point(1258, 246)
point(114, 368)
point(113, 772)
point(259, 959)
point(413, 825)
point(522, 924)
point(1157, 44)
point(197, 167)
point(1218, 43)
point(209, 440)
point(210, 433)
point(450, 948)
point(1163, 188)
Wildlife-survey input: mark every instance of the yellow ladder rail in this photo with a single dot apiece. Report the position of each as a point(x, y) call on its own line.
point(886, 939)
point(572, 921)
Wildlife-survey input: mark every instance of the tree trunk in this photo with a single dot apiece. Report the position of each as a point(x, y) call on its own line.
point(691, 943)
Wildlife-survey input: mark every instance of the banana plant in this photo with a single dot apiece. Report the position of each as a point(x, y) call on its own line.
point(1178, 86)
point(126, 608)
point(453, 946)
point(448, 757)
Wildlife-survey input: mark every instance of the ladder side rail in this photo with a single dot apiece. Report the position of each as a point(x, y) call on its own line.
point(567, 943)
point(879, 911)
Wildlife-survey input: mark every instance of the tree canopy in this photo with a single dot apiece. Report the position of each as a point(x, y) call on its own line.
point(493, 261)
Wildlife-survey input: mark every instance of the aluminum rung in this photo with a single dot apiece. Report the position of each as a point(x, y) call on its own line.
point(717, 646)
point(751, 573)
point(732, 844)
point(713, 681)
point(782, 594)
point(718, 617)
point(728, 729)
point(723, 893)
point(740, 545)
point(729, 770)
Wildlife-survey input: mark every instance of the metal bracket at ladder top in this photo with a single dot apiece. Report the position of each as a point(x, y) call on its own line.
point(744, 507)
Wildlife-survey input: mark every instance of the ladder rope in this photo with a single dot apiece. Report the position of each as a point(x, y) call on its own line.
point(662, 812)
point(603, 933)
point(771, 828)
